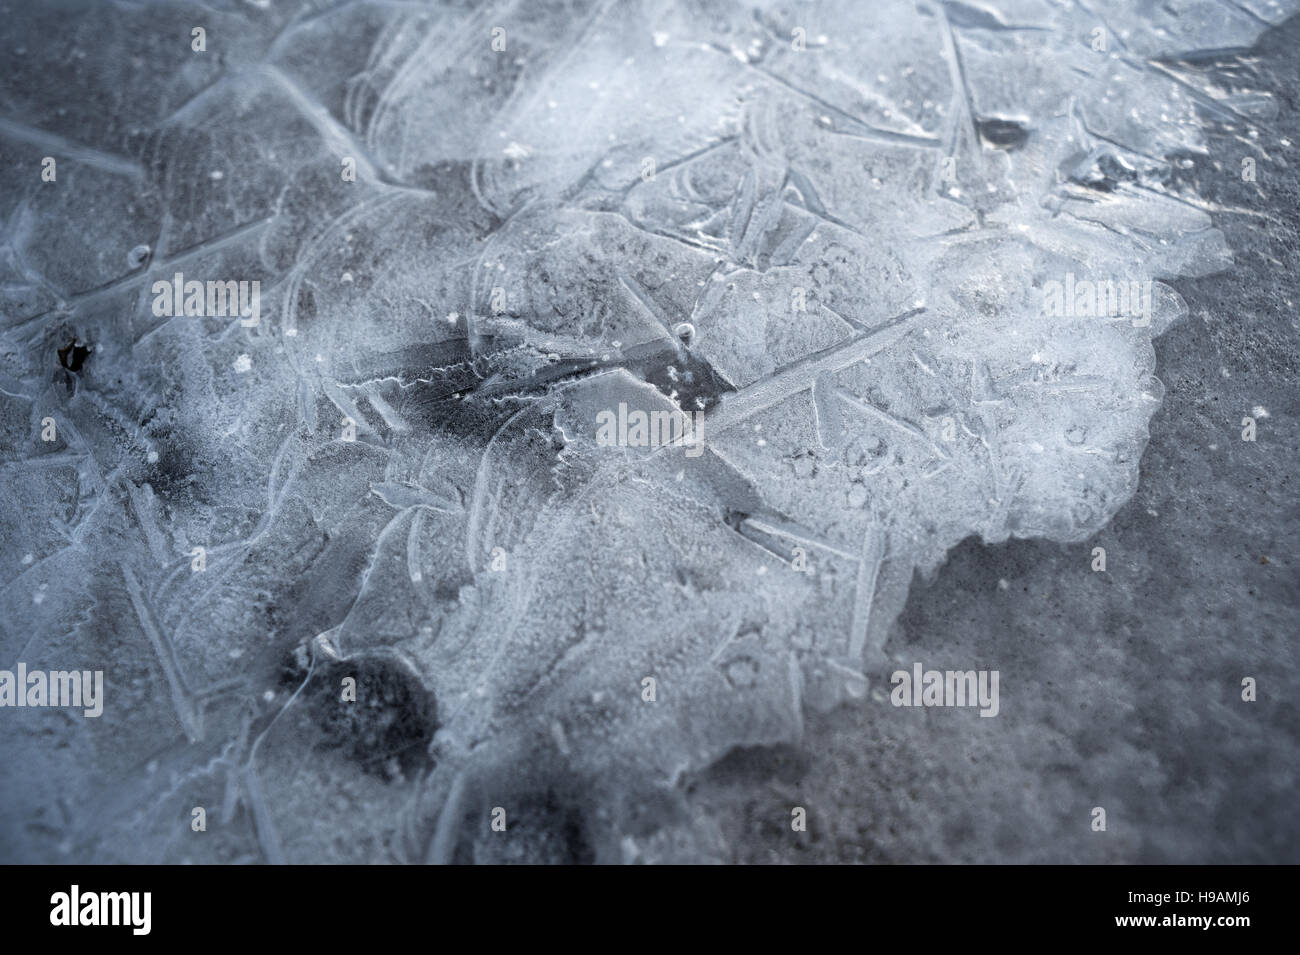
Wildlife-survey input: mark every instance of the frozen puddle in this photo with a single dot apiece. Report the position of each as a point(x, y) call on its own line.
point(843, 283)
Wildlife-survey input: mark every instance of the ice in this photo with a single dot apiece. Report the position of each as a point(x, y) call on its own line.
point(838, 255)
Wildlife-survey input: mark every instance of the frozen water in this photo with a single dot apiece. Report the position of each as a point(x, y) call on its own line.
point(832, 230)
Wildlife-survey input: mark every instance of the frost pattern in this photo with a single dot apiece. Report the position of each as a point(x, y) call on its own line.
point(502, 270)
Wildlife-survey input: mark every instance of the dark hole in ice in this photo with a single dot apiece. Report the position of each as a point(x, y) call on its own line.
point(174, 469)
point(694, 381)
point(137, 257)
point(756, 764)
point(1003, 133)
point(734, 518)
point(73, 355)
point(387, 729)
point(541, 828)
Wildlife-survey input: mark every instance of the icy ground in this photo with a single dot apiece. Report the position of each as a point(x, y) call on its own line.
point(394, 477)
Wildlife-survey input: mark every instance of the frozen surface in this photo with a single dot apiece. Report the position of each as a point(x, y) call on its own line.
point(861, 233)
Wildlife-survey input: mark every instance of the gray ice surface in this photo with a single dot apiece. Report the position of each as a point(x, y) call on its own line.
point(860, 210)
